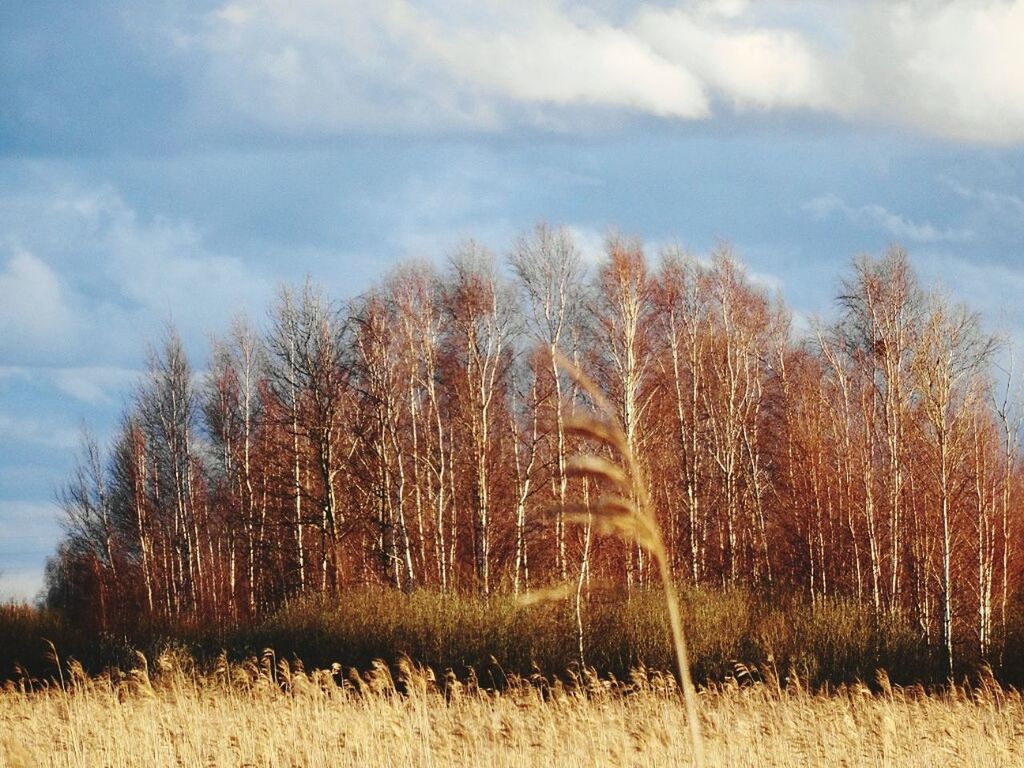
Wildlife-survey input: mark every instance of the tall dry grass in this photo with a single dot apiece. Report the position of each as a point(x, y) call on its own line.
point(628, 512)
point(265, 712)
point(824, 642)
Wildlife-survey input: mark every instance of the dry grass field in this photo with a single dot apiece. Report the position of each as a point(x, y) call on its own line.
point(261, 714)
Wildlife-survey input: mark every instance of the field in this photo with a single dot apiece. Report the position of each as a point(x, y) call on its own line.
point(781, 683)
point(262, 713)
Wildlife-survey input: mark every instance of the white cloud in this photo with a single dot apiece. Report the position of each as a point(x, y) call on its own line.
point(121, 276)
point(1000, 208)
point(748, 67)
point(539, 54)
point(324, 65)
point(878, 217)
point(591, 243)
point(949, 69)
point(18, 429)
point(766, 280)
point(160, 263)
point(32, 307)
point(95, 385)
point(952, 69)
point(14, 372)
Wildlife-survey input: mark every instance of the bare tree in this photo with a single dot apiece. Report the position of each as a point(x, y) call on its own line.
point(167, 407)
point(378, 379)
point(1010, 417)
point(232, 407)
point(951, 357)
point(481, 313)
point(309, 375)
point(88, 521)
point(550, 272)
point(881, 305)
point(683, 312)
point(621, 312)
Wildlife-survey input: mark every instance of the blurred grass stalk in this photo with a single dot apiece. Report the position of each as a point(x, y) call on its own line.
point(629, 513)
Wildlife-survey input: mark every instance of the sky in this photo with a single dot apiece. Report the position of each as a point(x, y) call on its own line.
point(178, 161)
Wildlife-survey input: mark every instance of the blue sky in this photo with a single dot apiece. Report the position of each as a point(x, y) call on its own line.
point(178, 160)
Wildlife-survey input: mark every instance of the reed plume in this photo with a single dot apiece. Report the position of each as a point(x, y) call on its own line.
point(628, 512)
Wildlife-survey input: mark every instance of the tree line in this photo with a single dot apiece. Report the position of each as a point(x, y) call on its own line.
point(415, 436)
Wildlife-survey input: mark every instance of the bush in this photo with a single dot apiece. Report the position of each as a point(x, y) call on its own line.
point(829, 641)
point(24, 631)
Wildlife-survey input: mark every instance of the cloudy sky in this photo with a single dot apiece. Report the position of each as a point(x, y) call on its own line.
point(178, 160)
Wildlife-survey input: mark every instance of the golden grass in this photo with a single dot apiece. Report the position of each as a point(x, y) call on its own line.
point(270, 715)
